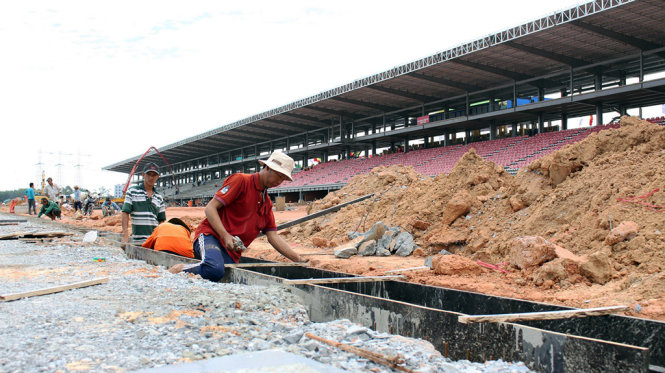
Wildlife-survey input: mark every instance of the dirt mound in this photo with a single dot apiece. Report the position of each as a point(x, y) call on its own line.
point(406, 199)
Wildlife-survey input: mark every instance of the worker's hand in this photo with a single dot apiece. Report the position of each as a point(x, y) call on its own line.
point(228, 242)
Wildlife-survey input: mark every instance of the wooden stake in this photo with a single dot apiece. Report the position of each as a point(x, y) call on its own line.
point(259, 265)
point(393, 362)
point(550, 315)
point(55, 289)
point(407, 269)
point(337, 280)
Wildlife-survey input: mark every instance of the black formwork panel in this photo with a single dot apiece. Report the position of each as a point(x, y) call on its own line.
point(621, 329)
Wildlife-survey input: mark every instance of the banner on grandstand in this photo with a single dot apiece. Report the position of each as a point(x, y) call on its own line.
point(423, 120)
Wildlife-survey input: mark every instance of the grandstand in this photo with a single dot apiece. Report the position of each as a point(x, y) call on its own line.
point(509, 95)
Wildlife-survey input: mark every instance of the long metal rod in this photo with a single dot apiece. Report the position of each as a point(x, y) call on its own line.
point(322, 212)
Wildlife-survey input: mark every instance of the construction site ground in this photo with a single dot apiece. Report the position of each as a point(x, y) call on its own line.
point(582, 227)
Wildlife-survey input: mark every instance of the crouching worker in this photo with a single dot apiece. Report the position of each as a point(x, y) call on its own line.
point(110, 208)
point(171, 237)
point(241, 208)
point(50, 209)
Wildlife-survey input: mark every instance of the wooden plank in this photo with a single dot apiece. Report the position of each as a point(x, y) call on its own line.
point(16, 235)
point(550, 315)
point(55, 289)
point(393, 362)
point(11, 236)
point(408, 269)
point(258, 265)
point(337, 280)
point(13, 220)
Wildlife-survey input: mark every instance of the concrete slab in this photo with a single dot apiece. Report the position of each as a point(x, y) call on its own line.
point(269, 361)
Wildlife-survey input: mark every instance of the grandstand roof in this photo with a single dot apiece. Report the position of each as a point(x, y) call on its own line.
point(537, 53)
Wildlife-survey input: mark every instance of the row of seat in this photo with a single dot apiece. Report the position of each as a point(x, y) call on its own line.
point(511, 153)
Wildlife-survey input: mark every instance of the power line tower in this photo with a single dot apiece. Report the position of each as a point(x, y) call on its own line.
point(40, 169)
point(59, 165)
point(78, 166)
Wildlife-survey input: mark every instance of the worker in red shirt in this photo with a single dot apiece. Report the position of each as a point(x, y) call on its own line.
point(240, 209)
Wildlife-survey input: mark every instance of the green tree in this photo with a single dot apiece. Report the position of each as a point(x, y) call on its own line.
point(67, 190)
point(7, 194)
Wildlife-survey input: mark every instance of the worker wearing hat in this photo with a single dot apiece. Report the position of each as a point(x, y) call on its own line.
point(145, 205)
point(240, 209)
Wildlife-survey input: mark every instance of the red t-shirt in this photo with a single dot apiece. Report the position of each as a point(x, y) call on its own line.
point(247, 210)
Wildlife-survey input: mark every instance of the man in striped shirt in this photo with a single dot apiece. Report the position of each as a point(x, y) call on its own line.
point(145, 206)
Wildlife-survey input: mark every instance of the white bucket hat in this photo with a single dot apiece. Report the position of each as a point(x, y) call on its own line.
point(281, 163)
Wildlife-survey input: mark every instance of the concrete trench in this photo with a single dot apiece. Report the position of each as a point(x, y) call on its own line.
point(602, 343)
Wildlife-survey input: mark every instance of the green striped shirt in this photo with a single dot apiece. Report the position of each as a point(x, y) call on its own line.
point(146, 213)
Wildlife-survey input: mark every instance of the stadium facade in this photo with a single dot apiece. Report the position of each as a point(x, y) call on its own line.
point(593, 59)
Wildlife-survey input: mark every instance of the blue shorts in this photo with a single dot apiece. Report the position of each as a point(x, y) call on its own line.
point(213, 257)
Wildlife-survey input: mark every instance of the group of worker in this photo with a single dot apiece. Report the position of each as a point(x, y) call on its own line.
point(239, 211)
point(51, 206)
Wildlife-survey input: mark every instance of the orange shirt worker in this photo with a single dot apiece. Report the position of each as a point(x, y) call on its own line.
point(240, 208)
point(171, 237)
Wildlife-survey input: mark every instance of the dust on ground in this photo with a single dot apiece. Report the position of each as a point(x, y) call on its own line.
point(581, 227)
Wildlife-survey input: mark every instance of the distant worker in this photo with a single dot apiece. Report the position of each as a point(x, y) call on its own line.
point(145, 206)
point(52, 190)
point(50, 209)
point(109, 208)
point(235, 216)
point(30, 194)
point(89, 204)
point(77, 199)
point(172, 237)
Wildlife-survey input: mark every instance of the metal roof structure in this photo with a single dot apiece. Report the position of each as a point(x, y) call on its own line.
point(607, 38)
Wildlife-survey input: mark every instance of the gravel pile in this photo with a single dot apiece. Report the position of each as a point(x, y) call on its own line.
point(146, 317)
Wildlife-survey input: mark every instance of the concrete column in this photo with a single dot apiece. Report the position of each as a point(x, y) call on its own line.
point(467, 134)
point(426, 139)
point(492, 131)
point(446, 139)
point(514, 129)
point(406, 144)
point(466, 106)
point(564, 121)
point(374, 147)
point(541, 122)
point(599, 114)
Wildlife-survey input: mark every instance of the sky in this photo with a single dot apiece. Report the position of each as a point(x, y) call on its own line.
point(85, 84)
